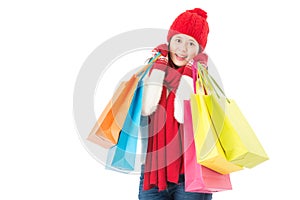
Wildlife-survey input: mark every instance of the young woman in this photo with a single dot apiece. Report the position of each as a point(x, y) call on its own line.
point(167, 85)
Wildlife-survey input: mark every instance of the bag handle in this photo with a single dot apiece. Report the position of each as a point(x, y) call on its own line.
point(212, 82)
point(198, 80)
point(142, 72)
point(207, 83)
point(197, 83)
point(195, 77)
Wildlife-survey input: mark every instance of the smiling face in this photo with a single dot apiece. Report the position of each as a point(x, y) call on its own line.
point(183, 48)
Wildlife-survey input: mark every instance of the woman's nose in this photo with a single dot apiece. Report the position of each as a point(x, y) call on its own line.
point(183, 47)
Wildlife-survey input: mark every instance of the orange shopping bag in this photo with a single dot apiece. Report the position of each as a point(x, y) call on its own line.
point(107, 128)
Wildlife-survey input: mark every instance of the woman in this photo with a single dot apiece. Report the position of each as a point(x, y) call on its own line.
point(167, 85)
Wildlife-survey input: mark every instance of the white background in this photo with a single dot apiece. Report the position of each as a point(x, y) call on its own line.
point(254, 44)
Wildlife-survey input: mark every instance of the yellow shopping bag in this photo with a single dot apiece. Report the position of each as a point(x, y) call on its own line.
point(236, 136)
point(208, 148)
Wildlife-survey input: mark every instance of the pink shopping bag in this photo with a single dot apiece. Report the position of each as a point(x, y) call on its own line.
point(197, 177)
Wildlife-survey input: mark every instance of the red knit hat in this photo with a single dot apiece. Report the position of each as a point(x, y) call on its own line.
point(192, 23)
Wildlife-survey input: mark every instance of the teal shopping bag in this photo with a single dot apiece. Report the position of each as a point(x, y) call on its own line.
point(125, 150)
point(123, 155)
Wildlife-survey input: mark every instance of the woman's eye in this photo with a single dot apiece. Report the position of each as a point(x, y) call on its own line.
point(178, 40)
point(192, 44)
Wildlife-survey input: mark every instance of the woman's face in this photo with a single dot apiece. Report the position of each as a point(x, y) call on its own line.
point(183, 48)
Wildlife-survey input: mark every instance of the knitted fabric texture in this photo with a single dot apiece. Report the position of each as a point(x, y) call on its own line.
point(192, 23)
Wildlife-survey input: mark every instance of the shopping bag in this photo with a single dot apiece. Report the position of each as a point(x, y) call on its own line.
point(125, 150)
point(124, 153)
point(208, 148)
point(107, 129)
point(197, 177)
point(236, 136)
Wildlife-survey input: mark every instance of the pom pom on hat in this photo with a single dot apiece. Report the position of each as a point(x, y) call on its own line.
point(192, 23)
point(199, 11)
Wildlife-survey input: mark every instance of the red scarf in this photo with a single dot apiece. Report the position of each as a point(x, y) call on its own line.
point(164, 159)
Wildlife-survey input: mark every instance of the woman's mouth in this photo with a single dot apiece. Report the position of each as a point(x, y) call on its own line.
point(180, 57)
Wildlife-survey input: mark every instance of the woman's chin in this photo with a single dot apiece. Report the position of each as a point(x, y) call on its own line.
point(180, 63)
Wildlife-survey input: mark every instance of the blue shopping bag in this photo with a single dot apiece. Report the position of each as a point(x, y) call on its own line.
point(125, 150)
point(123, 155)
